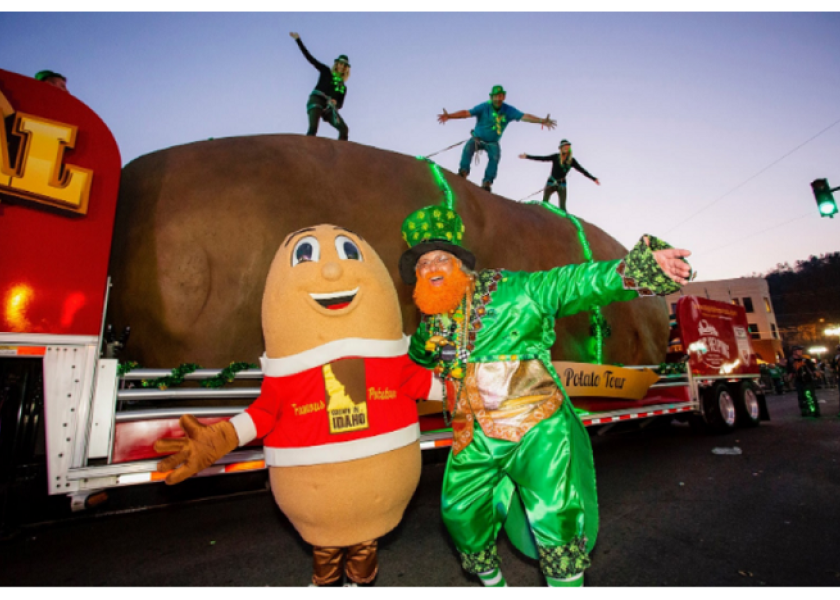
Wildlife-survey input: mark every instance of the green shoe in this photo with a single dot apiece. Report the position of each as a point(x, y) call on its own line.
point(573, 581)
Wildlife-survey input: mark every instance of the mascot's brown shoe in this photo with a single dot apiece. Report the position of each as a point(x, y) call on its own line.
point(361, 564)
point(326, 566)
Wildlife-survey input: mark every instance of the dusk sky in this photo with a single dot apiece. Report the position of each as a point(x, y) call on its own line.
point(674, 113)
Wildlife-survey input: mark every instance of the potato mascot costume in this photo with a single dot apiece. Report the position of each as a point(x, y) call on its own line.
point(337, 406)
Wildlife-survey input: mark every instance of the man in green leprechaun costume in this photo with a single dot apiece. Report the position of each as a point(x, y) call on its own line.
point(520, 456)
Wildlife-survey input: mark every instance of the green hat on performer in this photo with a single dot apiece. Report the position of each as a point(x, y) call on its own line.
point(47, 74)
point(497, 89)
point(428, 229)
point(565, 142)
point(343, 59)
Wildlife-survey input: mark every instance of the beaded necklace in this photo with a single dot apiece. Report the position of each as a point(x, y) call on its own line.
point(453, 363)
point(498, 120)
point(338, 83)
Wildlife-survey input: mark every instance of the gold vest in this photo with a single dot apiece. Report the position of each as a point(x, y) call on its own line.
point(507, 397)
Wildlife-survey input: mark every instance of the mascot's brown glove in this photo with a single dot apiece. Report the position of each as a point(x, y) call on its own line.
point(202, 446)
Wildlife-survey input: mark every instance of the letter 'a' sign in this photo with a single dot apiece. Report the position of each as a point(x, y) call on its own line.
point(59, 180)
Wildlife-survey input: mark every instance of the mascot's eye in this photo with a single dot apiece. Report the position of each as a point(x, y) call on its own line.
point(347, 248)
point(307, 249)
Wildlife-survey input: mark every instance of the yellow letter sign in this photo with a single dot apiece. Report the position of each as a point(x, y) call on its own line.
point(41, 176)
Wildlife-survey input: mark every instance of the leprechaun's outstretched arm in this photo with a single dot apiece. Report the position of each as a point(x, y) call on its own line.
point(651, 268)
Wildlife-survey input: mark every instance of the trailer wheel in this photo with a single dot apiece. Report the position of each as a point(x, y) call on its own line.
point(748, 407)
point(720, 409)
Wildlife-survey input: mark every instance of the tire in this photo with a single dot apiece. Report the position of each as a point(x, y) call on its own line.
point(748, 406)
point(23, 462)
point(719, 406)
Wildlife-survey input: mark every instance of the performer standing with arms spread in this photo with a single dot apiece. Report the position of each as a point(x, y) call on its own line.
point(328, 96)
point(491, 119)
point(516, 435)
point(561, 164)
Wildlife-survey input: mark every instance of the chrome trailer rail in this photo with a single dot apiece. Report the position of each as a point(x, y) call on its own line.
point(186, 393)
point(198, 374)
point(147, 414)
point(145, 471)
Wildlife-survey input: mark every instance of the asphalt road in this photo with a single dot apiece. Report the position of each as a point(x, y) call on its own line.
point(673, 513)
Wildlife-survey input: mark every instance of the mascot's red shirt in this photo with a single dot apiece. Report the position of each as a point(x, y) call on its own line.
point(342, 401)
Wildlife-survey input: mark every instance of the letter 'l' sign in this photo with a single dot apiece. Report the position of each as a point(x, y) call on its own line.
point(39, 173)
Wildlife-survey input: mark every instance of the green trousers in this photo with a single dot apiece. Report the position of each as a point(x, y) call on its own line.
point(552, 471)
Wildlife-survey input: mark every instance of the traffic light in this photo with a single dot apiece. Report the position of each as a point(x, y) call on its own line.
point(824, 197)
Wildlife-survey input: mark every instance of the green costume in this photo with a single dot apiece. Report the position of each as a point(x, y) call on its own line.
point(804, 377)
point(515, 430)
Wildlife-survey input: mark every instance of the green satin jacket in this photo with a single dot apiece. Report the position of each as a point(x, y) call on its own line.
point(507, 383)
point(513, 312)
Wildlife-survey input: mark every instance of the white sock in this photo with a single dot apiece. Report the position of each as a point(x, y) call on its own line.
point(493, 578)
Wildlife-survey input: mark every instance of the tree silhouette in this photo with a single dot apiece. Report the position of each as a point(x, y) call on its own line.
point(805, 293)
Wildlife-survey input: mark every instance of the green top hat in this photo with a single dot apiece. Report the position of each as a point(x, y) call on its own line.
point(46, 74)
point(497, 89)
point(428, 229)
point(343, 58)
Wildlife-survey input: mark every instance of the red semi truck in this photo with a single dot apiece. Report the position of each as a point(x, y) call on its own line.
point(63, 404)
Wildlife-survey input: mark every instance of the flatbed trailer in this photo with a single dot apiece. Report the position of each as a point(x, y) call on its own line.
point(63, 403)
point(99, 430)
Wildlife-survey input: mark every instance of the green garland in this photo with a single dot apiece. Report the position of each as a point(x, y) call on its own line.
point(227, 375)
point(177, 377)
point(598, 326)
point(123, 368)
point(440, 180)
point(679, 368)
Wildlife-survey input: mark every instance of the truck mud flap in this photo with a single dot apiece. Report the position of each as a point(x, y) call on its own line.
point(763, 412)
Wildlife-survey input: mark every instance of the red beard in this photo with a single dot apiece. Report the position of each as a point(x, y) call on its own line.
point(436, 300)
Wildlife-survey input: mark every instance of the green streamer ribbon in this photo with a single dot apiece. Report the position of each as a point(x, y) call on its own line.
point(598, 326)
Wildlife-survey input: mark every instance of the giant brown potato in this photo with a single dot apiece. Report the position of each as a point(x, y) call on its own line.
point(198, 225)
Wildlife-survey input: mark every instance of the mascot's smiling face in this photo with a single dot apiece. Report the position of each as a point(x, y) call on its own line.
point(325, 284)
